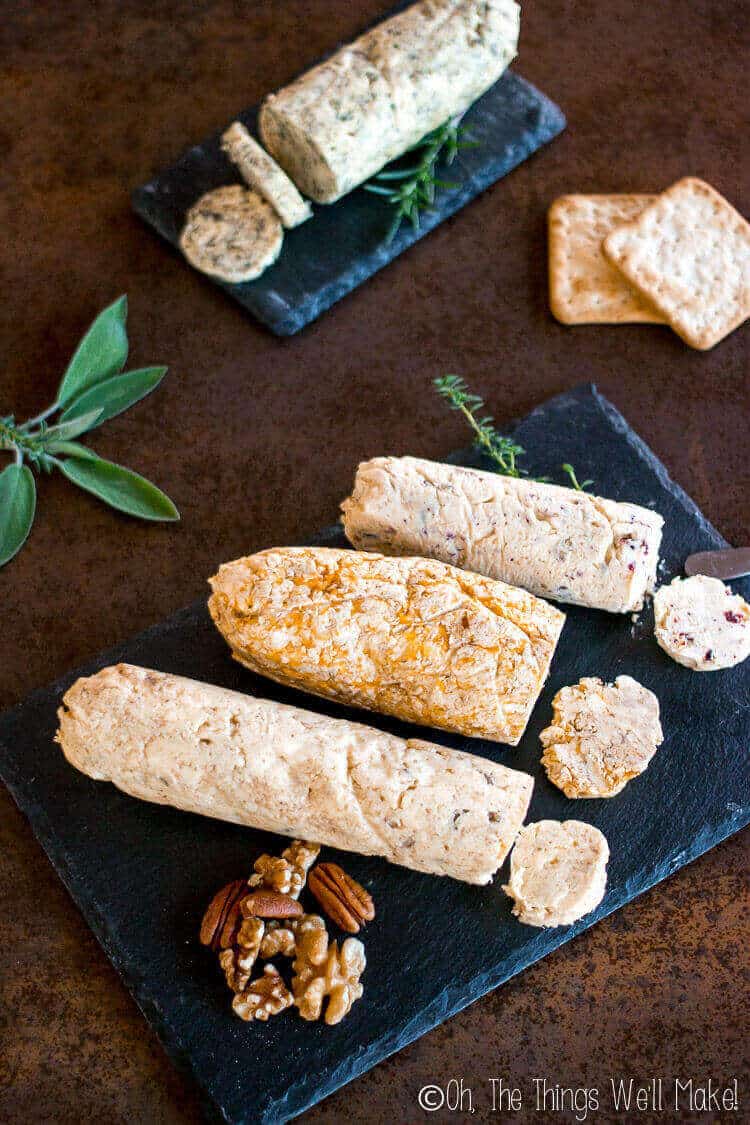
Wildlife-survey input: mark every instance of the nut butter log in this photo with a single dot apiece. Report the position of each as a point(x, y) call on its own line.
point(412, 638)
point(372, 100)
point(256, 762)
point(555, 542)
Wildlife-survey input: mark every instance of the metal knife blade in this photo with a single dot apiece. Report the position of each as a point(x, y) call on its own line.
point(732, 562)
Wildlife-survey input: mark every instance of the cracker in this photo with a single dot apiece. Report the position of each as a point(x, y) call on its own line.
point(261, 172)
point(231, 234)
point(584, 288)
point(689, 253)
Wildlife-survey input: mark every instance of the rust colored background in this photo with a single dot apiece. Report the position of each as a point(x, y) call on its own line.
point(257, 440)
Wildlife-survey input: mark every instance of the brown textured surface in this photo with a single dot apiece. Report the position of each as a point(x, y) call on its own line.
point(257, 440)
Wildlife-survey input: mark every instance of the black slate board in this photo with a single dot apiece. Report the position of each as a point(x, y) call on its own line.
point(344, 243)
point(143, 874)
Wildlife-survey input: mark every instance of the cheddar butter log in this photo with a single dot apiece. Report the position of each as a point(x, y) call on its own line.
point(555, 542)
point(412, 638)
point(366, 105)
point(252, 761)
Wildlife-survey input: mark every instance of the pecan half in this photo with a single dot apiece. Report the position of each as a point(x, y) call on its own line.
point(342, 898)
point(270, 904)
point(222, 918)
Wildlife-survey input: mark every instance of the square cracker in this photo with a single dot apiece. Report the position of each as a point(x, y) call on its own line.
point(584, 288)
point(689, 253)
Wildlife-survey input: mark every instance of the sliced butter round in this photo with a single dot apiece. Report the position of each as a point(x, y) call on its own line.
point(557, 872)
point(601, 736)
point(232, 234)
point(261, 172)
point(700, 623)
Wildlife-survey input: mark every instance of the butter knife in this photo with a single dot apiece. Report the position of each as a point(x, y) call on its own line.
point(732, 562)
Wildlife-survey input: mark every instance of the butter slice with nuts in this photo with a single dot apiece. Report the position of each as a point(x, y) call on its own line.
point(413, 638)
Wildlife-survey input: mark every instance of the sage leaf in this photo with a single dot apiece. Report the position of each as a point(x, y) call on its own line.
point(67, 430)
point(114, 395)
point(72, 449)
point(17, 507)
point(101, 353)
point(120, 488)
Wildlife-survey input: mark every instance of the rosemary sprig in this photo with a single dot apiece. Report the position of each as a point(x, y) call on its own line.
point(412, 189)
point(93, 389)
point(487, 438)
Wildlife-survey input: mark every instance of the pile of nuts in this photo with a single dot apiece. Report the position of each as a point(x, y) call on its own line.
point(262, 918)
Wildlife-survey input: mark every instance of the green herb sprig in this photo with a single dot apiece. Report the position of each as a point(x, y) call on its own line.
point(94, 389)
point(487, 438)
point(502, 450)
point(578, 486)
point(412, 190)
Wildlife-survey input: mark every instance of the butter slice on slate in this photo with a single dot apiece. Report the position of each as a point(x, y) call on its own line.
point(262, 174)
point(231, 234)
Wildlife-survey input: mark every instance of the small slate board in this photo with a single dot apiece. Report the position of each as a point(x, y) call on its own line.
point(143, 874)
point(345, 242)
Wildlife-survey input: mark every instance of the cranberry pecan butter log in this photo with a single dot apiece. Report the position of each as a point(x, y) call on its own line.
point(556, 542)
point(412, 638)
point(256, 762)
point(372, 100)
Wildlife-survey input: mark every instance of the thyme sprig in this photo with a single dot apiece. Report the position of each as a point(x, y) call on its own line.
point(412, 189)
point(93, 389)
point(579, 487)
point(504, 451)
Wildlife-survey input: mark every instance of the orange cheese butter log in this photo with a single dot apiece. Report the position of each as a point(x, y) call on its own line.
point(409, 637)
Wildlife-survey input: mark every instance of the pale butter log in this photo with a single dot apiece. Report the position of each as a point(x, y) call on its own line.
point(412, 638)
point(556, 542)
point(252, 761)
point(344, 120)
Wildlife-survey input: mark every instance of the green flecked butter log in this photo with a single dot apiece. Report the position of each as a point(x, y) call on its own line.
point(340, 123)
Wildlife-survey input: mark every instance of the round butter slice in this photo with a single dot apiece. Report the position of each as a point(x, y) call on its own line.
point(557, 872)
point(601, 736)
point(261, 172)
point(700, 623)
point(232, 234)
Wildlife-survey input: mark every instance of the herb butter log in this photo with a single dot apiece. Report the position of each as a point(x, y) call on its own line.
point(556, 542)
point(256, 762)
point(366, 105)
point(408, 637)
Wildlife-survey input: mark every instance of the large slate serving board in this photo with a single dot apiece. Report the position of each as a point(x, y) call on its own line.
point(344, 243)
point(143, 874)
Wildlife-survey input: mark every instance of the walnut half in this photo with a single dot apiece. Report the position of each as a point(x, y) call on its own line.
point(278, 940)
point(237, 961)
point(264, 997)
point(323, 970)
point(286, 874)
